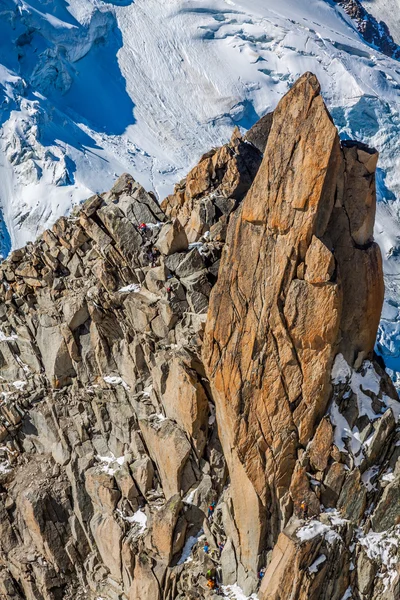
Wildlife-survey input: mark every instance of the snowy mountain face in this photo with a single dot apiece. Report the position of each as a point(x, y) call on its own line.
point(90, 89)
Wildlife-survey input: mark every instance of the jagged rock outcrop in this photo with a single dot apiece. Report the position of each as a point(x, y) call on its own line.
point(300, 283)
point(373, 31)
point(105, 407)
point(131, 402)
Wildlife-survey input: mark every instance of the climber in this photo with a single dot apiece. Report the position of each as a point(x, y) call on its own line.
point(211, 584)
point(304, 509)
point(211, 574)
point(154, 253)
point(261, 573)
point(206, 547)
point(211, 509)
point(142, 226)
point(221, 546)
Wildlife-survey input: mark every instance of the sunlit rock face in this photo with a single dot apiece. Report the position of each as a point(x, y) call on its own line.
point(193, 386)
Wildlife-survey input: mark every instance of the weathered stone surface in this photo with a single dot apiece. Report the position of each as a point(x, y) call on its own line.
point(115, 434)
point(102, 489)
point(145, 585)
point(108, 536)
point(170, 450)
point(319, 262)
point(185, 402)
point(321, 445)
point(259, 133)
point(172, 238)
point(259, 310)
point(143, 473)
point(163, 528)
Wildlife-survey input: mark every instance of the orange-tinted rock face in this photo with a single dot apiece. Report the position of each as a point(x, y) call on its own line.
point(300, 279)
point(113, 481)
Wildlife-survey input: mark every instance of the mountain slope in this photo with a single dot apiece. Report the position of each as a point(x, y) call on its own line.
point(177, 413)
point(91, 89)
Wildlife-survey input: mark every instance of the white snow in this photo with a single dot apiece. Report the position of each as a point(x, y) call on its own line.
point(236, 593)
point(311, 530)
point(112, 463)
point(368, 475)
point(388, 477)
point(315, 528)
point(19, 385)
point(319, 561)
point(359, 382)
point(7, 338)
point(139, 517)
point(387, 11)
point(187, 549)
point(190, 496)
point(133, 287)
point(114, 380)
point(368, 380)
point(5, 466)
point(341, 371)
point(383, 548)
point(343, 431)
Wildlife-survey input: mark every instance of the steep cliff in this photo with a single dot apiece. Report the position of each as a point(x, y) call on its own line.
point(214, 352)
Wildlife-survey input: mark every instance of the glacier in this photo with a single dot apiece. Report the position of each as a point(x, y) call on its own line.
point(90, 89)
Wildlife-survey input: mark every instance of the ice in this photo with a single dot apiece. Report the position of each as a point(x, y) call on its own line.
point(319, 561)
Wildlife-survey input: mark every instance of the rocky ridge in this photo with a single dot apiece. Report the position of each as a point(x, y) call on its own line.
point(218, 349)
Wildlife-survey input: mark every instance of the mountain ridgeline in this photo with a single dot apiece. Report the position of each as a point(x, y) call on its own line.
point(191, 405)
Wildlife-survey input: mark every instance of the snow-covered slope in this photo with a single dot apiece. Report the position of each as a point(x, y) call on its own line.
point(89, 89)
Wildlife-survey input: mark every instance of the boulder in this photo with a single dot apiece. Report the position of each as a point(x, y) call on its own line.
point(172, 238)
point(170, 450)
point(186, 403)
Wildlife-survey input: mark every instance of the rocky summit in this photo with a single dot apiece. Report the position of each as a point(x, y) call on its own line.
point(191, 406)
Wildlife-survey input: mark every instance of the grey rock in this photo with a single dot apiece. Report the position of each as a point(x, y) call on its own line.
point(172, 239)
